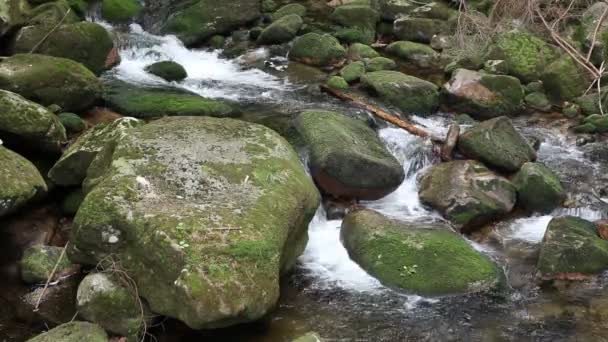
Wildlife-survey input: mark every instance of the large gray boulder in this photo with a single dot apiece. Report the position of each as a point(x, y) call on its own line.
point(204, 213)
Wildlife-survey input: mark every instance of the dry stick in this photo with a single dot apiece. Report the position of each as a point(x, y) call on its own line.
point(50, 278)
point(46, 36)
point(597, 28)
point(411, 128)
point(599, 88)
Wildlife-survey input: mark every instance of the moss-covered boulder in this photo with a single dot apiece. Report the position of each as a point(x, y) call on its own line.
point(466, 193)
point(408, 93)
point(360, 21)
point(38, 262)
point(85, 42)
point(589, 103)
point(289, 9)
point(538, 188)
point(282, 30)
point(538, 101)
point(358, 51)
point(106, 299)
point(50, 80)
point(571, 246)
point(20, 181)
point(419, 29)
point(317, 49)
point(347, 159)
point(595, 123)
point(13, 13)
point(525, 55)
point(421, 258)
point(146, 102)
point(50, 14)
point(379, 64)
point(71, 168)
point(483, 96)
point(593, 32)
point(73, 332)
point(120, 11)
point(27, 124)
point(204, 213)
point(168, 70)
point(416, 54)
point(394, 9)
point(353, 71)
point(337, 82)
point(72, 122)
point(563, 80)
point(202, 19)
point(497, 144)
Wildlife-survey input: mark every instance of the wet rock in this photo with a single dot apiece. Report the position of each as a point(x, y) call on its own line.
point(302, 73)
point(282, 30)
point(596, 152)
point(564, 80)
point(421, 258)
point(316, 49)
point(105, 299)
point(20, 181)
point(337, 82)
point(217, 41)
point(408, 93)
point(571, 246)
point(538, 101)
point(466, 193)
point(358, 51)
point(73, 332)
point(25, 123)
point(198, 181)
point(590, 103)
point(379, 64)
point(50, 80)
point(357, 17)
point(309, 337)
point(420, 55)
point(419, 29)
point(538, 188)
point(120, 11)
point(525, 55)
point(38, 262)
point(71, 168)
point(71, 202)
point(353, 71)
point(72, 122)
point(393, 9)
point(84, 42)
point(483, 96)
point(205, 18)
point(595, 123)
point(289, 9)
point(168, 70)
point(146, 102)
point(498, 144)
point(57, 305)
point(347, 158)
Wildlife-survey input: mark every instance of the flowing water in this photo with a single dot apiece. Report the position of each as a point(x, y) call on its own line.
point(332, 295)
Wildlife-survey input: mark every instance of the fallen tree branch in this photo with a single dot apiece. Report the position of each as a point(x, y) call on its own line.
point(50, 278)
point(409, 127)
point(597, 28)
point(48, 34)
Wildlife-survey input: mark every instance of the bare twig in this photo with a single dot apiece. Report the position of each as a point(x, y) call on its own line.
point(597, 28)
point(50, 278)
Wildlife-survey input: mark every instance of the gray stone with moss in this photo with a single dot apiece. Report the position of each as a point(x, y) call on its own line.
point(217, 41)
point(73, 332)
point(564, 80)
point(360, 21)
point(50, 14)
point(38, 262)
point(282, 30)
point(538, 101)
point(50, 80)
point(420, 29)
point(590, 103)
point(421, 258)
point(571, 246)
point(84, 42)
point(408, 93)
point(394, 9)
point(289, 9)
point(13, 13)
point(20, 181)
point(107, 300)
point(538, 188)
point(379, 64)
point(525, 55)
point(72, 122)
point(466, 193)
point(71, 168)
point(483, 96)
point(26, 123)
point(420, 55)
point(358, 51)
point(347, 158)
point(229, 202)
point(337, 82)
point(353, 71)
point(595, 123)
point(151, 102)
point(309, 337)
point(498, 144)
point(168, 70)
point(120, 11)
point(350, 35)
point(317, 49)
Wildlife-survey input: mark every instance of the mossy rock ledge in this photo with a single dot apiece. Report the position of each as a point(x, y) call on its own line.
point(205, 213)
point(422, 258)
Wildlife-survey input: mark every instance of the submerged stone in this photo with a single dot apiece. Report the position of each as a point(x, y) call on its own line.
point(204, 213)
point(168, 70)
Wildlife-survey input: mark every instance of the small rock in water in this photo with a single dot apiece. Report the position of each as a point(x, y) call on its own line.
point(168, 70)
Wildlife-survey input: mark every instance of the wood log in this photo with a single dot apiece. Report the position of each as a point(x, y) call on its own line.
point(408, 126)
